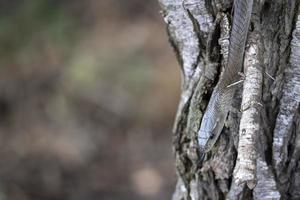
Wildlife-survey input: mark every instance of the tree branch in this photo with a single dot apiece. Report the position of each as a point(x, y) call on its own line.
point(245, 170)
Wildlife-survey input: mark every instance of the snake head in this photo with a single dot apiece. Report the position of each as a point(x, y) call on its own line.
point(206, 130)
point(210, 130)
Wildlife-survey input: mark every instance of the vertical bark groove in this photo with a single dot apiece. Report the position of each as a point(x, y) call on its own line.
point(199, 32)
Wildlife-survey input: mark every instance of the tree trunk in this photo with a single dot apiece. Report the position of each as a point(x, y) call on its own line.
point(257, 154)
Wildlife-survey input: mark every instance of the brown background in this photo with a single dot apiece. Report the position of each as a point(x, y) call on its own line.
point(88, 94)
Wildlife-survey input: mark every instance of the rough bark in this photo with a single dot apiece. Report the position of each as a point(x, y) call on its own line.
point(245, 168)
point(257, 153)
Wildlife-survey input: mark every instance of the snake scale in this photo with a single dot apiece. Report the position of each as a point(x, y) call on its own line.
point(220, 101)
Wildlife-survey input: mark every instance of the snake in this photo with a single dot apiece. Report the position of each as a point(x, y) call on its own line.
point(220, 101)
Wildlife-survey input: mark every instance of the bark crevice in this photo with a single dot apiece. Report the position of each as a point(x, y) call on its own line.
point(199, 32)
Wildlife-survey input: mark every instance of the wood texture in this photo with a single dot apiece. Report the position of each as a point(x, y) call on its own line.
point(199, 32)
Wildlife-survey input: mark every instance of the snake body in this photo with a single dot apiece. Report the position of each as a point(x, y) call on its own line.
point(220, 101)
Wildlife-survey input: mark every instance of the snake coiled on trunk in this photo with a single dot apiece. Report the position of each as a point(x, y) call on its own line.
point(220, 101)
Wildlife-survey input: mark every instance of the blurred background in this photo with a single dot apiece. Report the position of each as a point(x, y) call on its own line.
point(88, 94)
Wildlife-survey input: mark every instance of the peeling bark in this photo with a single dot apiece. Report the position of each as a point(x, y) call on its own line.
point(257, 154)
